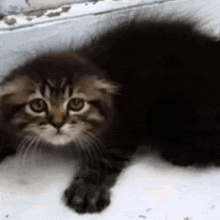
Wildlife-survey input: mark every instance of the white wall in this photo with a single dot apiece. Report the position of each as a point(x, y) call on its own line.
point(37, 31)
point(17, 6)
point(27, 33)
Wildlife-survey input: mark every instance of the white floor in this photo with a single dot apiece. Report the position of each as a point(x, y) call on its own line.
point(31, 189)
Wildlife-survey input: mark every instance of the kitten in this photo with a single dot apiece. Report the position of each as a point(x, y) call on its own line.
point(142, 82)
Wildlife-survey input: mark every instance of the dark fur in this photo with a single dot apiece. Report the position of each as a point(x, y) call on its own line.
point(170, 98)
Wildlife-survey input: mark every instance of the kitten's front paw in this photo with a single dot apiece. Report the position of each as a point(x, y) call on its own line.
point(87, 198)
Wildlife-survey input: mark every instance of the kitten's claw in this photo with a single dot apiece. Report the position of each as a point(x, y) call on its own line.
point(87, 198)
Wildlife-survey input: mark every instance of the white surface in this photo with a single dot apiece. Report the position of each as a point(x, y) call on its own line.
point(148, 188)
point(16, 6)
point(43, 3)
point(11, 6)
point(27, 38)
point(19, 6)
point(75, 11)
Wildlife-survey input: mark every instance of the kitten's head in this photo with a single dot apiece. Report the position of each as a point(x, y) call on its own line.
point(58, 99)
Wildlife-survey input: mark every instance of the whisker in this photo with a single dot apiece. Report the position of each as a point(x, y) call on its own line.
point(29, 147)
point(90, 147)
point(85, 150)
point(22, 144)
point(26, 150)
point(97, 144)
point(94, 137)
point(33, 150)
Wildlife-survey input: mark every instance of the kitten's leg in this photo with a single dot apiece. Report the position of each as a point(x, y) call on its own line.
point(90, 189)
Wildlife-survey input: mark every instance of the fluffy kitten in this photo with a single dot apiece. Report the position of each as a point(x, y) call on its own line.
point(142, 82)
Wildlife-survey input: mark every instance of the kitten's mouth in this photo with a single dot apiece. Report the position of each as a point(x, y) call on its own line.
point(59, 132)
point(59, 138)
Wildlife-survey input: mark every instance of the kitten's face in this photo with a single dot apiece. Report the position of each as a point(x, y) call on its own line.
point(58, 111)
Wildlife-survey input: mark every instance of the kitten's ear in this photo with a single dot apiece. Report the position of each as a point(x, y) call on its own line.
point(17, 88)
point(6, 89)
point(107, 86)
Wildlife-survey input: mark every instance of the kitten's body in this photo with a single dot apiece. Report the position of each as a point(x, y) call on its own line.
point(169, 97)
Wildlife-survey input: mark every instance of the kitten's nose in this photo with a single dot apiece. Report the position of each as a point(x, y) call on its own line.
point(58, 119)
point(58, 125)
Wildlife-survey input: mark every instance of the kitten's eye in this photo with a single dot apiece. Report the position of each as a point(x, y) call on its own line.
point(38, 105)
point(75, 104)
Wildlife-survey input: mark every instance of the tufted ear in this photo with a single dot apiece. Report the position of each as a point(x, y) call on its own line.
point(16, 89)
point(107, 86)
point(7, 89)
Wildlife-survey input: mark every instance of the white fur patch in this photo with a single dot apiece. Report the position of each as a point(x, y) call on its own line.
point(66, 94)
point(47, 92)
point(49, 134)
